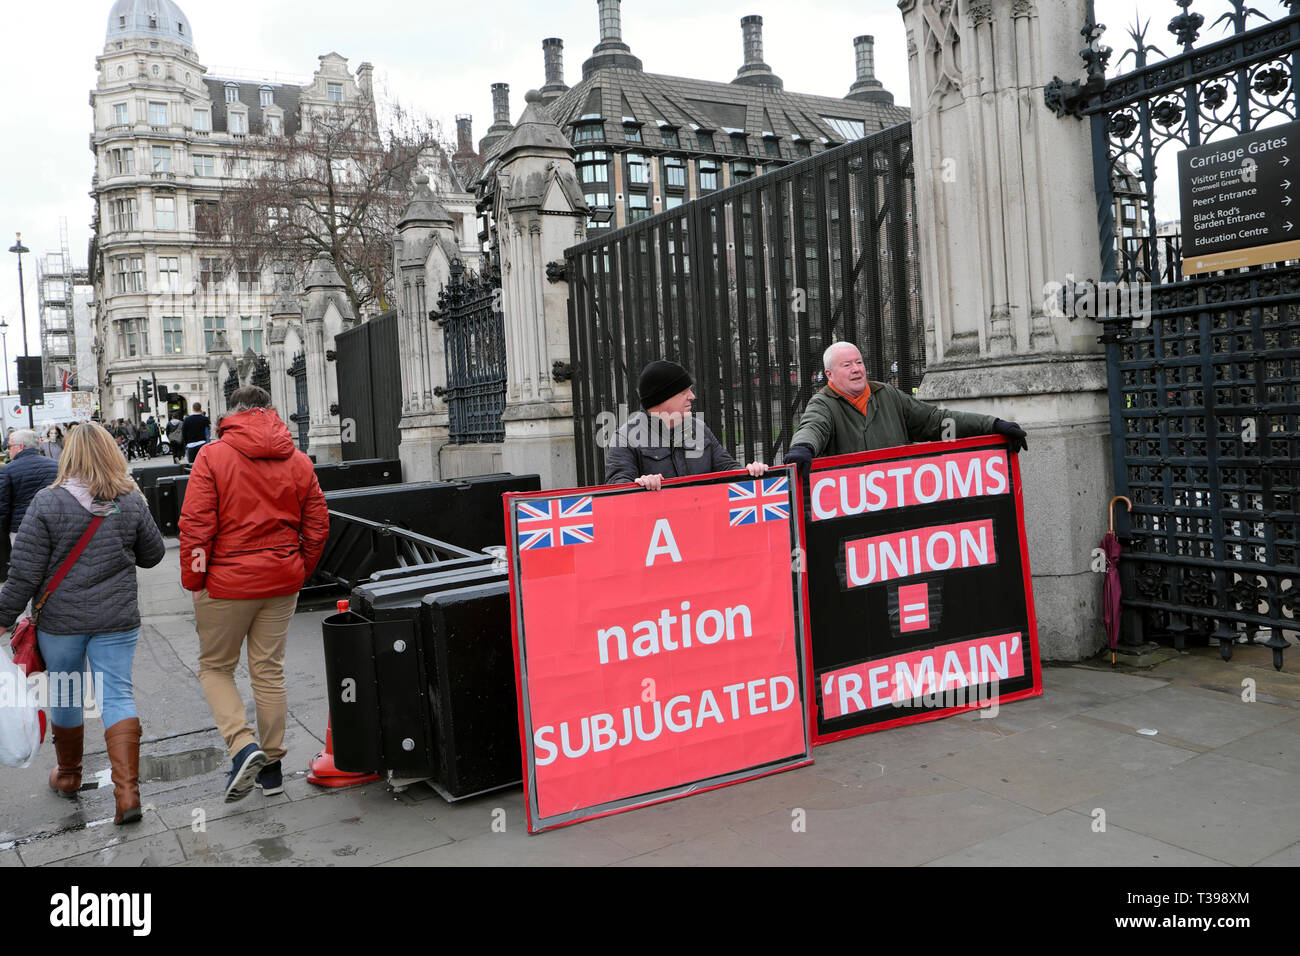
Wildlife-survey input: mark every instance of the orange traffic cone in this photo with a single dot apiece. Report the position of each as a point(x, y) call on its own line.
point(323, 773)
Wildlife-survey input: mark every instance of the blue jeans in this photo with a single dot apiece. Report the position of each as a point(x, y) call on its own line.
point(110, 656)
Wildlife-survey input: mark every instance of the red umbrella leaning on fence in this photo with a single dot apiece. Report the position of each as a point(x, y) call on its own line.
point(1110, 595)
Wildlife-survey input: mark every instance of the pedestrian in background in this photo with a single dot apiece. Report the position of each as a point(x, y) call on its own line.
point(252, 529)
point(93, 615)
point(195, 431)
point(28, 472)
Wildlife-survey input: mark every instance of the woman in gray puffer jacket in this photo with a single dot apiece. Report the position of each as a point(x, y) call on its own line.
point(94, 614)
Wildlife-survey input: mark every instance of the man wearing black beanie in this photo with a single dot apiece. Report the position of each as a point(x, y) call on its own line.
point(663, 440)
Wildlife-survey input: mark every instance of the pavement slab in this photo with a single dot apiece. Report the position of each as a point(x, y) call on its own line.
point(1277, 747)
point(1067, 838)
point(1052, 767)
point(1228, 809)
point(907, 830)
point(1204, 717)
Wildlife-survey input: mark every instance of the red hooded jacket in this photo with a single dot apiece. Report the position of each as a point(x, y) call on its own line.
point(254, 520)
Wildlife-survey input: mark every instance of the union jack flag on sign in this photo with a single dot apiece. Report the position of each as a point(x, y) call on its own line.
point(767, 499)
point(555, 522)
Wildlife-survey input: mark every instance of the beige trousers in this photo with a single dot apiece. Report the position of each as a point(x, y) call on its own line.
point(222, 627)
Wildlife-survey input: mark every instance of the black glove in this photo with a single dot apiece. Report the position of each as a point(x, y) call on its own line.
point(1013, 433)
point(802, 456)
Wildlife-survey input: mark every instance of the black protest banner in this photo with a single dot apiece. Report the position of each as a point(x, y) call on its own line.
point(918, 585)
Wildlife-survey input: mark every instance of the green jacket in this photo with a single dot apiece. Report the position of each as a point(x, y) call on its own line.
point(830, 425)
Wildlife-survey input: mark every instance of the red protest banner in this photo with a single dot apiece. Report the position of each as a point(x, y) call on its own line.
point(920, 596)
point(659, 641)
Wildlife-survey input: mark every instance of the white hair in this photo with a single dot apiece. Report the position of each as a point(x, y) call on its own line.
point(25, 437)
point(830, 351)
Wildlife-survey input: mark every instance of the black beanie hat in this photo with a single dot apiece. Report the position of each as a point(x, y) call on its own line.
point(660, 381)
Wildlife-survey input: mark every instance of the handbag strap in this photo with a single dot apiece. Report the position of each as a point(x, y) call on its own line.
point(71, 559)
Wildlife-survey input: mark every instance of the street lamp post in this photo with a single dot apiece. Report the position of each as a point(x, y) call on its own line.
point(19, 249)
point(4, 346)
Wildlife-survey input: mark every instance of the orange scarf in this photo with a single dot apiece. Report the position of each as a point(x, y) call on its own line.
point(860, 403)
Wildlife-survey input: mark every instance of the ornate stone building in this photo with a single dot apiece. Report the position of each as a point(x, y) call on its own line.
point(168, 139)
point(647, 142)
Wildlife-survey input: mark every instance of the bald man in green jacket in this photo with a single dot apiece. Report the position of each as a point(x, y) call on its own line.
point(852, 414)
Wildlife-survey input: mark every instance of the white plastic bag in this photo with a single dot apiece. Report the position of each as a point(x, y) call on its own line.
point(20, 727)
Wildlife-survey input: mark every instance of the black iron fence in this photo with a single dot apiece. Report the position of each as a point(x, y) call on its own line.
point(469, 309)
point(1205, 397)
point(746, 287)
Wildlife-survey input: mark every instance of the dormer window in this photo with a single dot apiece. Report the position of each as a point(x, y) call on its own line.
point(264, 96)
point(232, 93)
point(153, 23)
point(121, 22)
point(180, 28)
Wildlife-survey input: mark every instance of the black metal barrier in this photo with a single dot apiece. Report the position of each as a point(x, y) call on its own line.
point(359, 474)
point(421, 679)
point(147, 476)
point(369, 527)
point(163, 486)
point(165, 498)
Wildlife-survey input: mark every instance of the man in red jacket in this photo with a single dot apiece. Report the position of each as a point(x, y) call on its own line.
point(252, 529)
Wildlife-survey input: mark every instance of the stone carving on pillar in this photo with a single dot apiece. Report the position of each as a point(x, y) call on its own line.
point(939, 24)
point(539, 211)
point(1016, 219)
point(979, 11)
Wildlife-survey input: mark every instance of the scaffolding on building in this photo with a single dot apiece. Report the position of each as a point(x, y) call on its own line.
point(56, 281)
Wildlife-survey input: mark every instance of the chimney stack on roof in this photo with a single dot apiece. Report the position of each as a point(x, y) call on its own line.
point(553, 56)
point(866, 87)
point(611, 51)
point(755, 72)
point(501, 126)
point(500, 103)
point(464, 133)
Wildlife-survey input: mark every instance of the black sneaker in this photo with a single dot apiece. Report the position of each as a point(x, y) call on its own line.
point(269, 780)
point(243, 770)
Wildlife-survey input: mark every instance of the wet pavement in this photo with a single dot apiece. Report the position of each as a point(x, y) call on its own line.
point(1070, 778)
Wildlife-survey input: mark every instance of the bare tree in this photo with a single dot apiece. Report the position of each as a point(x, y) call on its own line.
point(337, 186)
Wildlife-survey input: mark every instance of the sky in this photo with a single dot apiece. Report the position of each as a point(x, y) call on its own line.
point(437, 58)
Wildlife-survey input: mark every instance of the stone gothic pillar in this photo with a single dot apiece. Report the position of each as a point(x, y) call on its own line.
point(219, 358)
point(284, 315)
point(423, 250)
point(326, 312)
point(1006, 206)
point(539, 212)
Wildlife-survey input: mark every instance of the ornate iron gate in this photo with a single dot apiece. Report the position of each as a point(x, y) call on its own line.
point(261, 376)
point(746, 287)
point(469, 310)
point(301, 416)
point(231, 383)
point(1205, 397)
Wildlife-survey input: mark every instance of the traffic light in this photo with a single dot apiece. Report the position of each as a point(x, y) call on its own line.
point(146, 391)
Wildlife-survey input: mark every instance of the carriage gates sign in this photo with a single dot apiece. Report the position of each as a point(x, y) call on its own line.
point(659, 641)
point(1237, 199)
point(918, 585)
